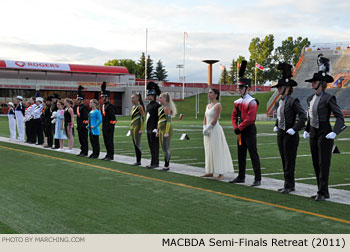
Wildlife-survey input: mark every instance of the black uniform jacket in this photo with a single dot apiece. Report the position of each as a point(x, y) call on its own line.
point(152, 121)
point(327, 105)
point(292, 108)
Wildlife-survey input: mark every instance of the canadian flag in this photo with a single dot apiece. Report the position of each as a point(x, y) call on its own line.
point(259, 66)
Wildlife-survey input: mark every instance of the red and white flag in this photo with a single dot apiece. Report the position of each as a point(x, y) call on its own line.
point(259, 66)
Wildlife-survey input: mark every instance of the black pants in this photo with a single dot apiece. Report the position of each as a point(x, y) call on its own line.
point(248, 141)
point(48, 134)
point(153, 143)
point(108, 135)
point(38, 131)
point(321, 151)
point(30, 131)
point(136, 140)
point(95, 143)
point(288, 146)
point(83, 140)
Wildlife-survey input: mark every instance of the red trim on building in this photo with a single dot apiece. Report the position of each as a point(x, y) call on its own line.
point(98, 69)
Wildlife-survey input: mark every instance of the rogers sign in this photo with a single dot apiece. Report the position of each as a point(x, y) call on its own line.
point(36, 65)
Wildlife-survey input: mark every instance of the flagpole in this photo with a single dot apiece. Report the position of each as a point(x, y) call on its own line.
point(146, 65)
point(255, 78)
point(183, 71)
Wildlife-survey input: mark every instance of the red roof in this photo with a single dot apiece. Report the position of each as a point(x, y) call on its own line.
point(73, 68)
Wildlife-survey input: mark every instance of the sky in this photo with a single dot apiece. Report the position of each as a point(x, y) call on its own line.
point(94, 31)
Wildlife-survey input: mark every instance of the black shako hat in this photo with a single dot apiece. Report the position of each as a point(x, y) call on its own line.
point(286, 70)
point(243, 82)
point(80, 95)
point(56, 96)
point(153, 88)
point(324, 67)
point(104, 92)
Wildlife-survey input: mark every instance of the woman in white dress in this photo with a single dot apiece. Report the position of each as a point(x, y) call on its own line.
point(218, 158)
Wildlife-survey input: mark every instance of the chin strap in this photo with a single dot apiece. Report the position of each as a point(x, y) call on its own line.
point(319, 84)
point(245, 91)
point(284, 90)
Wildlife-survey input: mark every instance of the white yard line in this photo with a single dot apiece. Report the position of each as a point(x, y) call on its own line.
point(339, 185)
point(309, 178)
point(273, 173)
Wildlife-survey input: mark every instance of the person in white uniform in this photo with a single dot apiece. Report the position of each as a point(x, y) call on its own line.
point(12, 121)
point(19, 112)
point(218, 158)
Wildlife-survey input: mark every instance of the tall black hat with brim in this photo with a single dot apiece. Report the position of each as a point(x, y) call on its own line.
point(286, 70)
point(324, 67)
point(80, 95)
point(104, 92)
point(243, 82)
point(153, 89)
point(49, 98)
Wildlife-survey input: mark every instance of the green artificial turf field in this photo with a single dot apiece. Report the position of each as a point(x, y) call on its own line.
point(43, 191)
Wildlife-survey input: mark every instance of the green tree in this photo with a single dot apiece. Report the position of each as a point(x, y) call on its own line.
point(224, 76)
point(160, 74)
point(290, 50)
point(128, 63)
point(261, 53)
point(232, 74)
point(140, 72)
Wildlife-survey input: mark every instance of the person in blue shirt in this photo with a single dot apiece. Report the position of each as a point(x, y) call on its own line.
point(95, 119)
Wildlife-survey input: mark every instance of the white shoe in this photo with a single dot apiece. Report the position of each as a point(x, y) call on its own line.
point(69, 151)
point(60, 149)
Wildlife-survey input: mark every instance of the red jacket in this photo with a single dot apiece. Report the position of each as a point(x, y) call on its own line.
point(248, 107)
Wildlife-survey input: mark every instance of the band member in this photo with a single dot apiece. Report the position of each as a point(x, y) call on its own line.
point(29, 114)
point(243, 122)
point(137, 124)
point(69, 123)
point(60, 134)
point(108, 122)
point(19, 113)
point(12, 121)
point(55, 98)
point(152, 123)
point(94, 121)
point(165, 129)
point(37, 125)
point(287, 128)
point(319, 129)
point(46, 120)
point(82, 122)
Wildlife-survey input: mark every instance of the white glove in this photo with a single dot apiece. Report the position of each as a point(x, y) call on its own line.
point(331, 135)
point(207, 129)
point(306, 134)
point(53, 114)
point(290, 131)
point(275, 129)
point(53, 121)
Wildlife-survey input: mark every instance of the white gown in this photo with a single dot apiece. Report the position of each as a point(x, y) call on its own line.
point(217, 154)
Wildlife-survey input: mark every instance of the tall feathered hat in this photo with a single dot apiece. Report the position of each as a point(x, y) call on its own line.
point(153, 88)
point(243, 82)
point(104, 92)
point(286, 70)
point(324, 67)
point(80, 95)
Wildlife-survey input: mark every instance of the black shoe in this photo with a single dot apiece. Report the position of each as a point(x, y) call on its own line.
point(47, 146)
point(256, 183)
point(83, 155)
point(315, 196)
point(136, 164)
point(282, 189)
point(151, 166)
point(54, 148)
point(108, 159)
point(287, 190)
point(237, 180)
point(39, 143)
point(319, 198)
point(165, 169)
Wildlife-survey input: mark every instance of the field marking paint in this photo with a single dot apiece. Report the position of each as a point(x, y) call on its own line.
point(297, 179)
point(273, 173)
point(338, 185)
point(184, 185)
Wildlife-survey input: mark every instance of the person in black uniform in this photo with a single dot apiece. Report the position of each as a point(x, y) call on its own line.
point(286, 126)
point(82, 122)
point(55, 98)
point(152, 123)
point(108, 122)
point(46, 120)
point(318, 128)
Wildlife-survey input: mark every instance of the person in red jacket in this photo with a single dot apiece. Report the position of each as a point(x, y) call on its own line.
point(243, 122)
